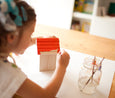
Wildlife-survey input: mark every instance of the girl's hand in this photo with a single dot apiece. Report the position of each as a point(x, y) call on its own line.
point(62, 59)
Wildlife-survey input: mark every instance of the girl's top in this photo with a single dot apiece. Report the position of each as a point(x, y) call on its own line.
point(11, 78)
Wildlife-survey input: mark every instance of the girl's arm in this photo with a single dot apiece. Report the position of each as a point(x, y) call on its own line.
point(31, 90)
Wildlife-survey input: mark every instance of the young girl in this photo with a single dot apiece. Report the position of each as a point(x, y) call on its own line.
point(17, 22)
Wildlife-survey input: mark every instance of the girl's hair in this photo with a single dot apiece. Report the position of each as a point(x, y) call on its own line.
point(31, 16)
point(29, 10)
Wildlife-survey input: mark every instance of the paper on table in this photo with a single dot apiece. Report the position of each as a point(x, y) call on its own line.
point(69, 88)
point(70, 83)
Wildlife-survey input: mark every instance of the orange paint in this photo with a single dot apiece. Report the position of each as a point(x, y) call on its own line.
point(47, 44)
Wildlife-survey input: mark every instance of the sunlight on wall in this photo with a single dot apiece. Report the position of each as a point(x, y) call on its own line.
point(56, 13)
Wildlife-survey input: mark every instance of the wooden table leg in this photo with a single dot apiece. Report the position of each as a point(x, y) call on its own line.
point(112, 91)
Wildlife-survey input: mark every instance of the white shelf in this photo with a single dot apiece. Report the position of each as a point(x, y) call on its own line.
point(105, 18)
point(82, 15)
point(103, 26)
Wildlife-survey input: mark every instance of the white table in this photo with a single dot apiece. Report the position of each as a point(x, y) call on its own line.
point(29, 62)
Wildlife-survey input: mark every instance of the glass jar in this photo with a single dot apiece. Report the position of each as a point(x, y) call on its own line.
point(89, 75)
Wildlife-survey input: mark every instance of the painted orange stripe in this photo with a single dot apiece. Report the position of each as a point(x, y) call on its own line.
point(47, 44)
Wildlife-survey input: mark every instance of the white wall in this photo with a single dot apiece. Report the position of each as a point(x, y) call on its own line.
point(56, 13)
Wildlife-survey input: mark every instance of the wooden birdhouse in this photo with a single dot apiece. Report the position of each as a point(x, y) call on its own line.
point(47, 49)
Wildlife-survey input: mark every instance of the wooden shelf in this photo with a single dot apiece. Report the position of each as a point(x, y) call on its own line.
point(82, 15)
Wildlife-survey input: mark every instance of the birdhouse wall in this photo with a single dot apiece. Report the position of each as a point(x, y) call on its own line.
point(48, 60)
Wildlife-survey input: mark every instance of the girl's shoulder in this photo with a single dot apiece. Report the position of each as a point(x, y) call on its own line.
point(7, 63)
point(11, 78)
point(8, 66)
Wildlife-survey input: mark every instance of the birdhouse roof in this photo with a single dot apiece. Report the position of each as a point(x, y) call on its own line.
point(47, 44)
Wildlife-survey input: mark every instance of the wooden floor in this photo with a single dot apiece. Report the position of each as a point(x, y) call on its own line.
point(81, 42)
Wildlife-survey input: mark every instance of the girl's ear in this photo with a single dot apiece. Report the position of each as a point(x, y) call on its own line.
point(11, 38)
